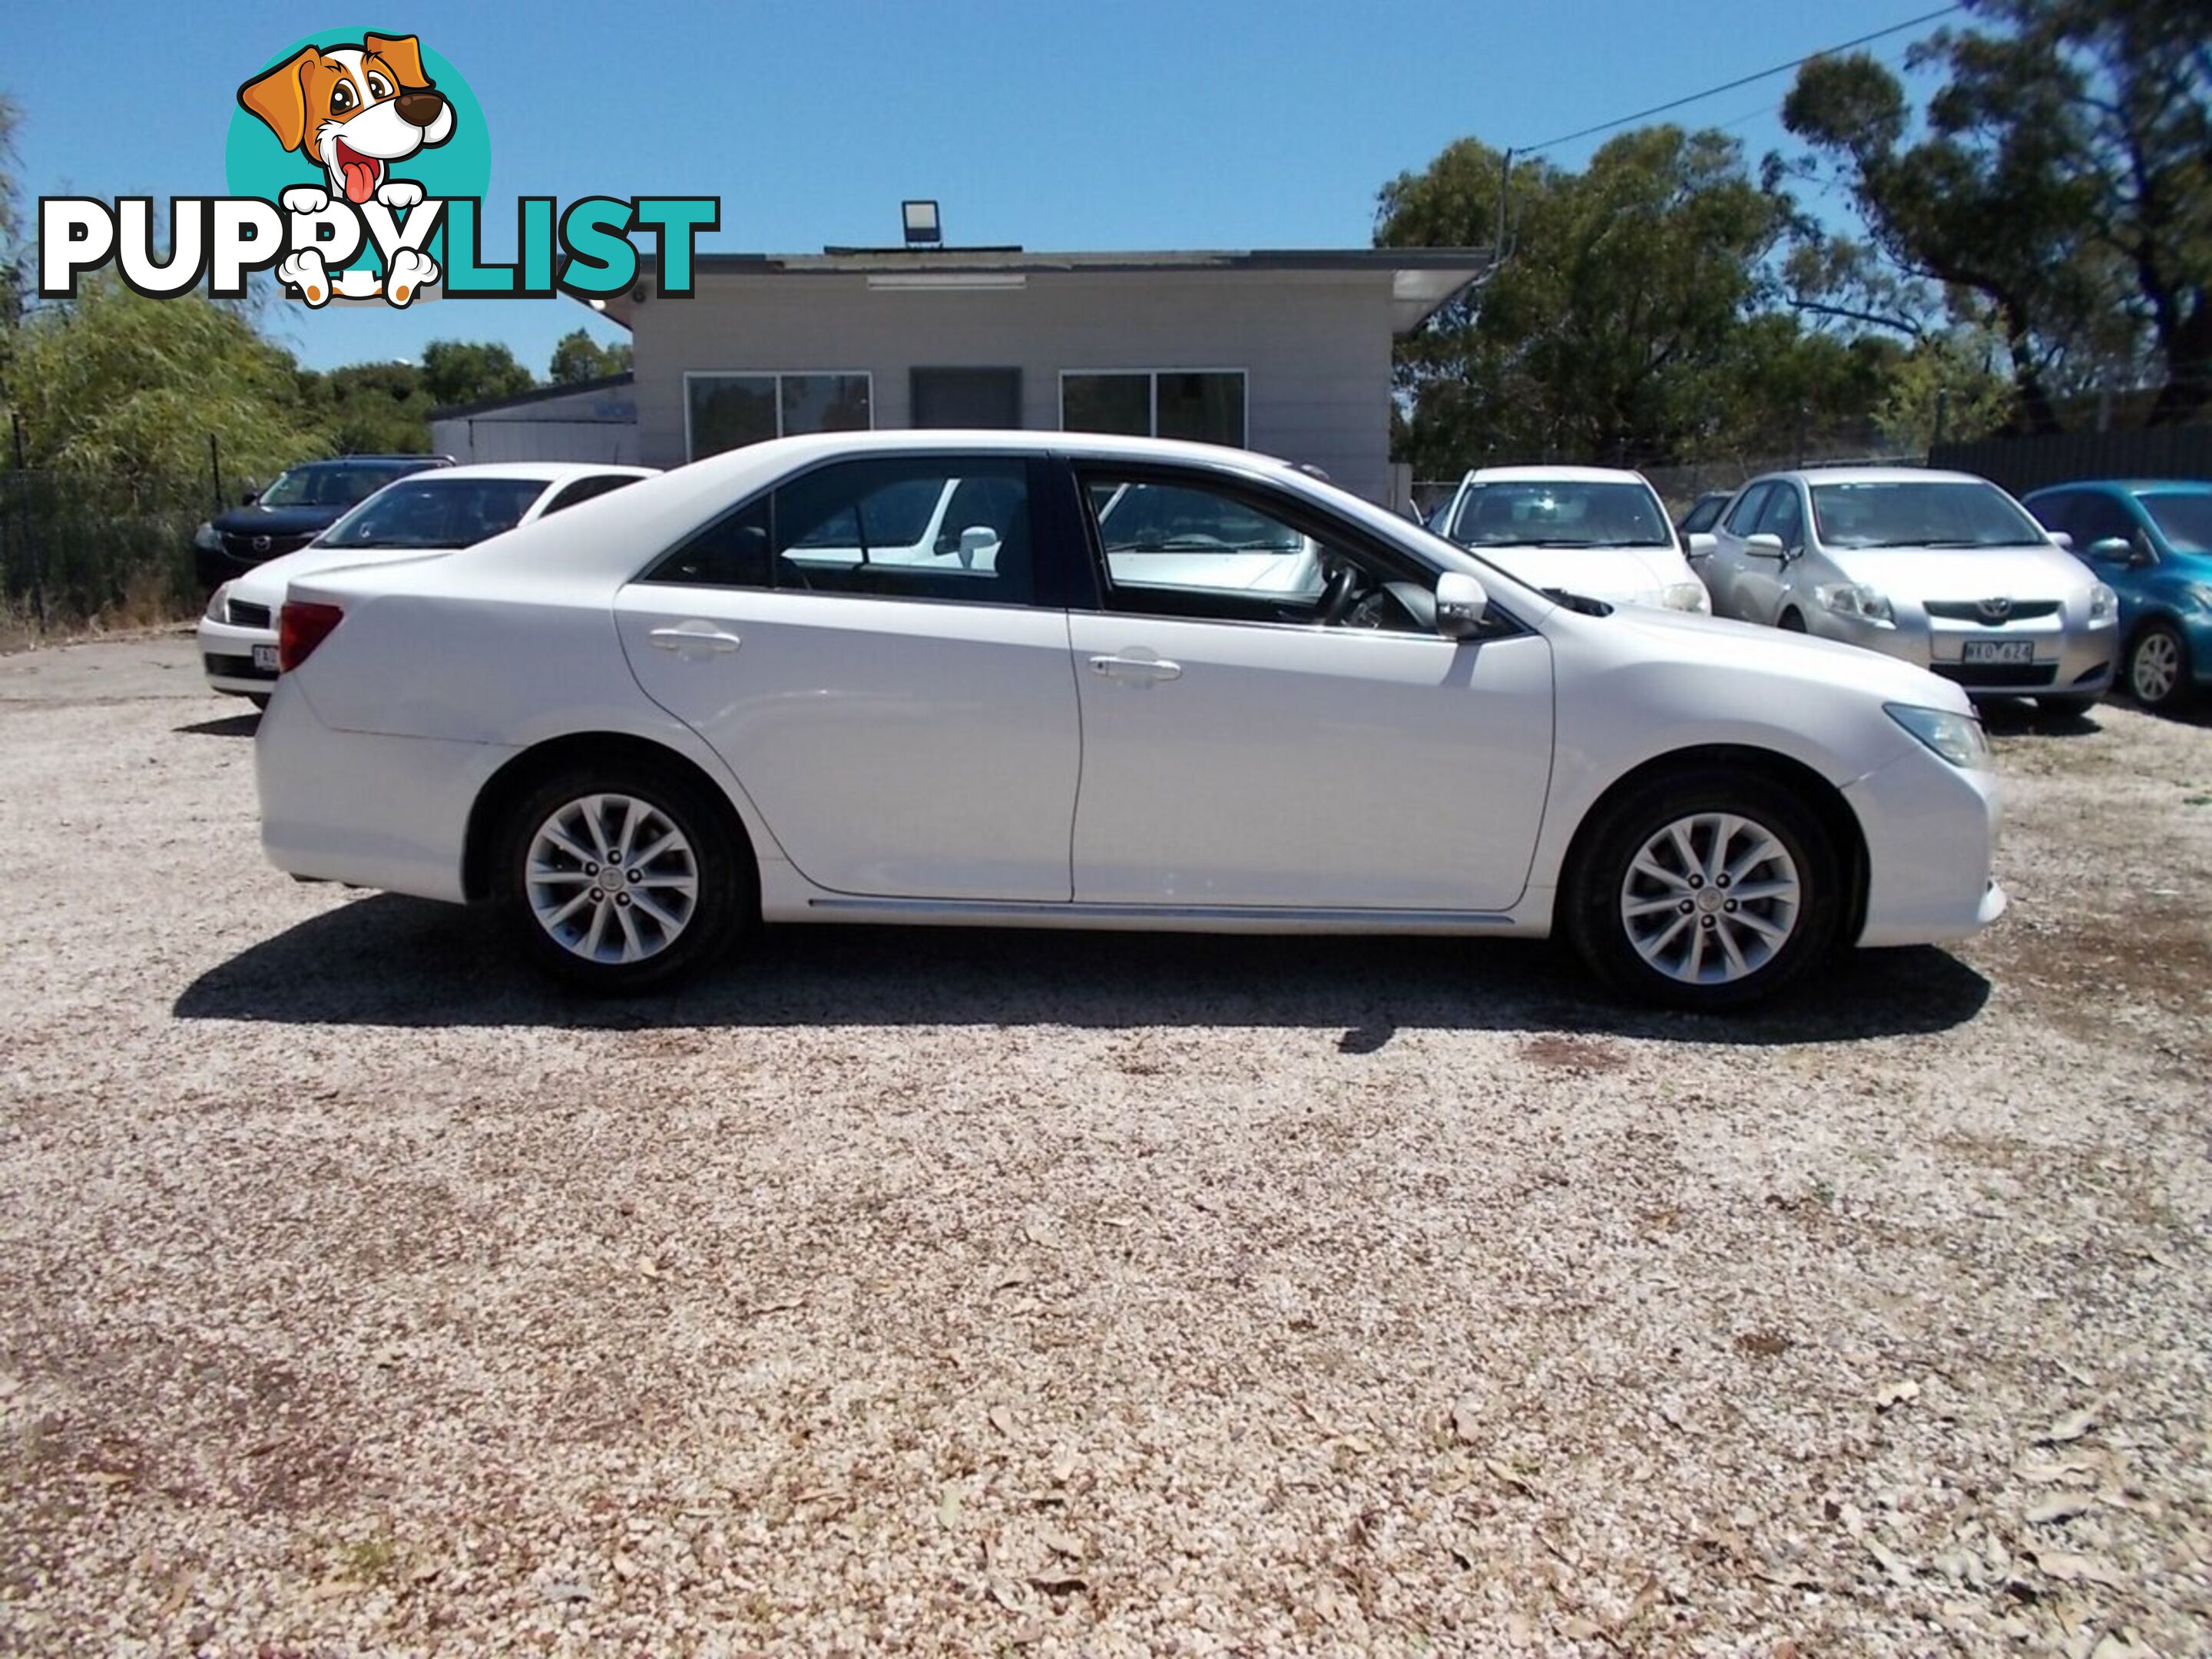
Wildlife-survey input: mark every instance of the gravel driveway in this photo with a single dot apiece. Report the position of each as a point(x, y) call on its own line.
point(983, 1292)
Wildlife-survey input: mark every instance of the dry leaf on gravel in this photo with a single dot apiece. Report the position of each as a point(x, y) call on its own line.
point(2070, 1569)
point(1061, 1543)
point(1467, 1419)
point(2043, 1474)
point(2064, 1506)
point(1002, 1421)
point(1043, 1237)
point(1895, 1394)
point(1506, 1475)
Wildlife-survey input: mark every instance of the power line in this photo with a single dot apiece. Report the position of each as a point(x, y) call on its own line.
point(1742, 81)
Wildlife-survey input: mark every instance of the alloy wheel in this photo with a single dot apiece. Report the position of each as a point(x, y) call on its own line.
point(2155, 667)
point(1710, 898)
point(611, 878)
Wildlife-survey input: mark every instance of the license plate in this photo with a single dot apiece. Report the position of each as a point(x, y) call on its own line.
point(2000, 651)
point(265, 658)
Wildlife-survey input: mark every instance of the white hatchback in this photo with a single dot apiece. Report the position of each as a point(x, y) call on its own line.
point(1070, 681)
point(418, 516)
point(1588, 530)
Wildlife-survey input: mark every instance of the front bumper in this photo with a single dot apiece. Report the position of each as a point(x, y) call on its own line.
point(1931, 835)
point(2071, 658)
point(226, 658)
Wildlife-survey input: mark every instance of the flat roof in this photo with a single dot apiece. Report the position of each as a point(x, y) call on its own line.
point(1422, 279)
point(536, 394)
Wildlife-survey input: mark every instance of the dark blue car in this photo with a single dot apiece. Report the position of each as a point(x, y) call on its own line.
point(304, 502)
point(2151, 539)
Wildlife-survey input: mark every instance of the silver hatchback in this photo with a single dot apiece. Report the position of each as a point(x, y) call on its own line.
point(1943, 569)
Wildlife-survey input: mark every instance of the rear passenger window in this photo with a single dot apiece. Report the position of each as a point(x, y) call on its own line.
point(1745, 512)
point(941, 528)
point(584, 489)
point(946, 528)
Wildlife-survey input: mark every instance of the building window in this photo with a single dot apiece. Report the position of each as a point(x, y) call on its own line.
point(725, 411)
point(1206, 406)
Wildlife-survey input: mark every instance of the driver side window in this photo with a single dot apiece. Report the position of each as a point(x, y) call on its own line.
point(1785, 517)
point(1186, 548)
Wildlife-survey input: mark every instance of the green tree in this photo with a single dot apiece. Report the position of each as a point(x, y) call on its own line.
point(468, 372)
point(120, 388)
point(2061, 194)
point(1631, 321)
point(1950, 385)
point(578, 358)
point(374, 409)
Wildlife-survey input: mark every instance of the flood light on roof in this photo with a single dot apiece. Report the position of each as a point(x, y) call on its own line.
point(921, 223)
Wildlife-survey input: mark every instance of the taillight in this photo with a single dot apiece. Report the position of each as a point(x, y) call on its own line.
point(301, 628)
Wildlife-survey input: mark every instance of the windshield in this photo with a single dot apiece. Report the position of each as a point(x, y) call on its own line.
point(434, 511)
point(1910, 514)
point(2185, 521)
point(1531, 513)
point(325, 485)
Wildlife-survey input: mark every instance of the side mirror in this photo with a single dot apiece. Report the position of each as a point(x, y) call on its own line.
point(249, 498)
point(1462, 604)
point(2060, 538)
point(1698, 544)
point(1765, 545)
point(975, 541)
point(2117, 550)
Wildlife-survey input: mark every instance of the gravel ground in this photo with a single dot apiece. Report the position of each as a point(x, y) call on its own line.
point(976, 1293)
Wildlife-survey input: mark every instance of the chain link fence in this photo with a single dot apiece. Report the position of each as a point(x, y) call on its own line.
point(75, 551)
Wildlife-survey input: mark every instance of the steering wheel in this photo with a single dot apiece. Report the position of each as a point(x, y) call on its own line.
point(1337, 594)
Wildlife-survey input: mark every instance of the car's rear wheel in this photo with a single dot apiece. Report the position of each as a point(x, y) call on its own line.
point(1706, 891)
point(2158, 666)
point(618, 878)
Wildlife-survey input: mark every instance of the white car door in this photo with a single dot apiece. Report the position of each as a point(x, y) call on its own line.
point(1239, 749)
point(908, 726)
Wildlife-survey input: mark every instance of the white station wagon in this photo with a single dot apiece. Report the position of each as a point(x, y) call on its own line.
point(1060, 680)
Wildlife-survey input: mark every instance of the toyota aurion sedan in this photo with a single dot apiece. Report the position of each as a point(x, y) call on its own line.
point(2152, 539)
point(420, 516)
point(1941, 569)
point(1075, 681)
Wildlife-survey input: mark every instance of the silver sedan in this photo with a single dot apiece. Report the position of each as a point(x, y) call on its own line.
point(1943, 569)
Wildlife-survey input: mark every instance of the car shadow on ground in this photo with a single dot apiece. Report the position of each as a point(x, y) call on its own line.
point(383, 960)
point(230, 726)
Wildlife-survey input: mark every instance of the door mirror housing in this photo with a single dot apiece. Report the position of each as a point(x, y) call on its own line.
point(1765, 545)
point(975, 541)
point(1462, 604)
point(1698, 544)
point(2119, 549)
point(2060, 538)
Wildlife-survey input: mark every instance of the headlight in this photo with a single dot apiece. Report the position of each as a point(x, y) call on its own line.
point(1685, 596)
point(216, 601)
point(1857, 600)
point(1957, 737)
point(206, 537)
point(2104, 604)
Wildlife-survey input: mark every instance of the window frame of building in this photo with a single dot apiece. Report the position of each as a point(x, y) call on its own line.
point(1151, 376)
point(777, 376)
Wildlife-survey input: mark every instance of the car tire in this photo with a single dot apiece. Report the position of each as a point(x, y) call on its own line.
point(1791, 623)
point(1632, 875)
point(617, 927)
point(2158, 666)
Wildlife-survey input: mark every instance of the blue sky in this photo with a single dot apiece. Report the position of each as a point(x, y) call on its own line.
point(1109, 125)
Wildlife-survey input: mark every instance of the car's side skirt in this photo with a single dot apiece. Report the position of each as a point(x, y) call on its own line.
point(1152, 918)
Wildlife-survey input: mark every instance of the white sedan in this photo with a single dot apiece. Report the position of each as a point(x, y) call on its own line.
point(419, 515)
point(641, 729)
point(1595, 530)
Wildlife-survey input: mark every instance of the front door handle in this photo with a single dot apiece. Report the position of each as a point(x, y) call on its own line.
point(1139, 670)
point(694, 635)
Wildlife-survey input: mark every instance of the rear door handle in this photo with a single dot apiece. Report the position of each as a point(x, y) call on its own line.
point(1141, 670)
point(694, 635)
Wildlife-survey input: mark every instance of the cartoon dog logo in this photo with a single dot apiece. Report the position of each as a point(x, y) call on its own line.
point(356, 110)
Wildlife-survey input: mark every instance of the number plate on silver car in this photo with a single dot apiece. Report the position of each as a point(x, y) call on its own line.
point(2000, 651)
point(265, 658)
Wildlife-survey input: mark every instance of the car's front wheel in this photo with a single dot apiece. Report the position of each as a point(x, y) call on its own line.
point(622, 878)
point(1706, 891)
point(2158, 666)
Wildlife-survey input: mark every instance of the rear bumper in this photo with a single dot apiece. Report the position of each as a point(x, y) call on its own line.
point(365, 809)
point(1932, 832)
